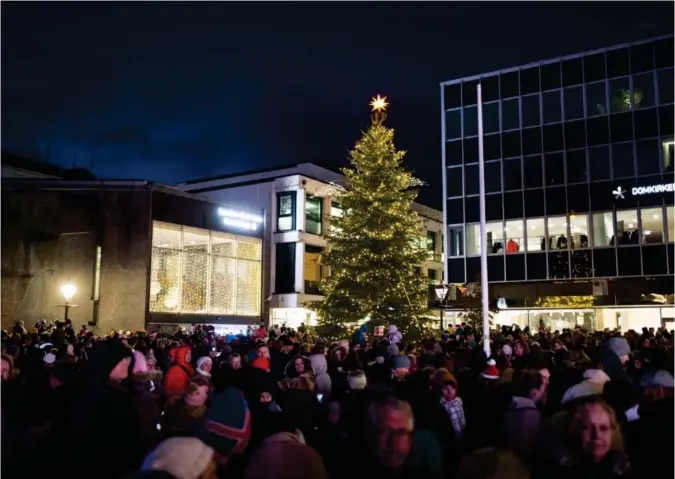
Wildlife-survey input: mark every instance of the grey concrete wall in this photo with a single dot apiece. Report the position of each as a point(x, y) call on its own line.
point(50, 237)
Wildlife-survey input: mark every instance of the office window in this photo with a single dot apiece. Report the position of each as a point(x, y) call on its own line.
point(511, 114)
point(492, 148)
point(453, 124)
point(670, 217)
point(531, 138)
point(453, 96)
point(531, 110)
point(666, 115)
point(431, 243)
point(553, 137)
point(512, 175)
point(312, 269)
point(554, 168)
point(551, 107)
point(550, 76)
point(572, 72)
point(455, 211)
point(536, 234)
point(597, 131)
point(514, 236)
point(594, 67)
point(534, 202)
point(663, 52)
point(456, 241)
point(286, 211)
point(576, 166)
point(646, 123)
point(575, 134)
point(453, 153)
point(490, 117)
point(579, 231)
point(495, 238)
point(652, 225)
point(648, 159)
point(596, 99)
point(642, 57)
point(619, 90)
point(471, 177)
point(469, 96)
point(511, 144)
point(598, 163)
point(508, 85)
point(493, 176)
point(470, 121)
point(665, 79)
point(336, 209)
point(622, 160)
point(574, 103)
point(621, 127)
point(643, 90)
point(313, 214)
point(617, 63)
point(454, 181)
point(470, 149)
point(603, 229)
point(490, 87)
point(533, 171)
point(284, 280)
point(626, 227)
point(557, 233)
point(529, 81)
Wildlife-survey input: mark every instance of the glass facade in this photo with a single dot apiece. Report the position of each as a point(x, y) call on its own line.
point(197, 271)
point(578, 167)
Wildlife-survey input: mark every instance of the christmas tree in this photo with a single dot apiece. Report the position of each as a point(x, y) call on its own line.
point(375, 247)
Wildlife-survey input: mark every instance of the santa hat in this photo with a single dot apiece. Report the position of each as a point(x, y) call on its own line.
point(491, 371)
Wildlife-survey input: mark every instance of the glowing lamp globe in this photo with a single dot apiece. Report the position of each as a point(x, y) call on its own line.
point(68, 291)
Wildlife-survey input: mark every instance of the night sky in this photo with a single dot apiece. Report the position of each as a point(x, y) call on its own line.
point(176, 91)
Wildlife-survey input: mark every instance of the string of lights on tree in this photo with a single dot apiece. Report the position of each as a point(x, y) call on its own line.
point(374, 251)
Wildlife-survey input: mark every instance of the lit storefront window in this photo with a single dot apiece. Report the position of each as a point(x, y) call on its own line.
point(198, 271)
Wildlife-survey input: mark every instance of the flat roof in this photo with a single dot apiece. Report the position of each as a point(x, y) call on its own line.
point(553, 60)
point(244, 173)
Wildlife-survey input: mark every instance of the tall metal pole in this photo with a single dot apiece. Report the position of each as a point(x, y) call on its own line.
point(483, 232)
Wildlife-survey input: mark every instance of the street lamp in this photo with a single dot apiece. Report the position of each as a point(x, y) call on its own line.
point(68, 290)
point(441, 291)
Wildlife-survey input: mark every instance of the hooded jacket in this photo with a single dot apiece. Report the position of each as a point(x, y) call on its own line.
point(321, 377)
point(179, 373)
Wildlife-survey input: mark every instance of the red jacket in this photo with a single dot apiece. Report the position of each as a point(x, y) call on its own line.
point(179, 373)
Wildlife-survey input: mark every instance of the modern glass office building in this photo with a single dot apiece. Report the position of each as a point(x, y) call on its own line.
point(578, 173)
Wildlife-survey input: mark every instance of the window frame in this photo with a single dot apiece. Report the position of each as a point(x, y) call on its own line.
point(294, 199)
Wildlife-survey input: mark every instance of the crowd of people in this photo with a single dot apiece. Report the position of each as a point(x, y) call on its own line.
point(273, 404)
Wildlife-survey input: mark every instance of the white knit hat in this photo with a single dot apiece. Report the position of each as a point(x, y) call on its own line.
point(182, 457)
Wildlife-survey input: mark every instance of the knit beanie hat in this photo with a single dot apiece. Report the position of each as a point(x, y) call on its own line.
point(182, 457)
point(491, 371)
point(400, 362)
point(261, 363)
point(392, 349)
point(227, 424)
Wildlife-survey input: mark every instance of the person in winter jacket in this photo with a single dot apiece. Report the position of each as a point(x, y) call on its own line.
point(395, 335)
point(179, 373)
point(321, 377)
point(182, 414)
point(360, 336)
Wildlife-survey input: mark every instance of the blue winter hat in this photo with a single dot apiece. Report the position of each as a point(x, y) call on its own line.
point(227, 424)
point(400, 362)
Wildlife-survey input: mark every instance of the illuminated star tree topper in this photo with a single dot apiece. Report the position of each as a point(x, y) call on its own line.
point(378, 107)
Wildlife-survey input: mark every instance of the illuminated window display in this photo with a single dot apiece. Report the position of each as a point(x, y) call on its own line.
point(197, 271)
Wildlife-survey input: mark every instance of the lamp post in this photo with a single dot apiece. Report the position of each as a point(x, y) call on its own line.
point(441, 291)
point(68, 290)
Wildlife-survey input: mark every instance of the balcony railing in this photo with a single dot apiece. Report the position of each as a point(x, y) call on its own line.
point(435, 257)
